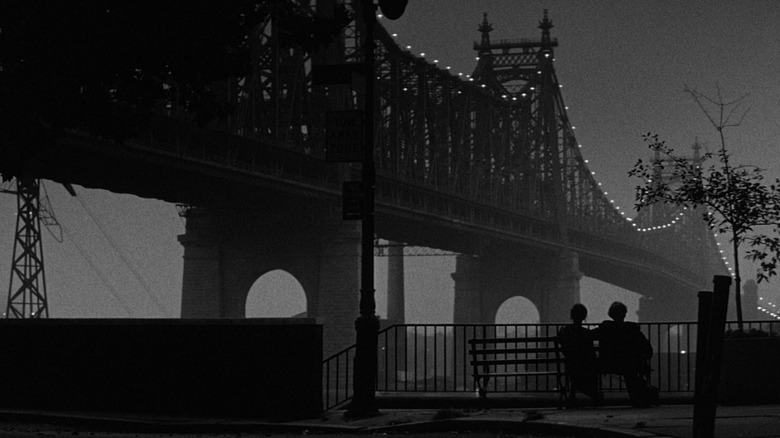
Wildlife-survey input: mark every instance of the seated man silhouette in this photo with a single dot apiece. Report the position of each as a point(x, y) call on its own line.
point(580, 357)
point(626, 351)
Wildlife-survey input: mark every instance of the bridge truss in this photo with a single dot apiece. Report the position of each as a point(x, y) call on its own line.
point(495, 151)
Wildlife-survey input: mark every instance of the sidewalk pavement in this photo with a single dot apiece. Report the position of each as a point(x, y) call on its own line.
point(615, 421)
point(610, 421)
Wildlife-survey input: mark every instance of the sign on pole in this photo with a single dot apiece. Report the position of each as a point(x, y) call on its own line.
point(344, 136)
point(353, 198)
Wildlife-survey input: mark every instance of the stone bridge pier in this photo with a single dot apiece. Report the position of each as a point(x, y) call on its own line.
point(484, 282)
point(226, 250)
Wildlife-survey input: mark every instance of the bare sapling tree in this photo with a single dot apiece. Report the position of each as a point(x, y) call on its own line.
point(736, 199)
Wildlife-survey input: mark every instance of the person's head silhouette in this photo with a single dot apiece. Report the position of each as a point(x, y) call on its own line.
point(578, 313)
point(617, 311)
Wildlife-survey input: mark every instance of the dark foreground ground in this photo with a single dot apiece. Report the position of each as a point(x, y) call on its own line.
point(617, 421)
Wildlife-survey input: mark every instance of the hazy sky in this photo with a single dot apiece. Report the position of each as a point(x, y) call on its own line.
point(623, 65)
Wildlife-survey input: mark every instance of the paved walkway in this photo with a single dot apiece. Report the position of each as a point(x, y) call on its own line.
point(663, 421)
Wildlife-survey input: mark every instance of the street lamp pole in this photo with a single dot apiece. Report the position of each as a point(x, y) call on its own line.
point(367, 324)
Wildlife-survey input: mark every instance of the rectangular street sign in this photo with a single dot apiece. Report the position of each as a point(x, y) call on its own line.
point(344, 136)
point(352, 200)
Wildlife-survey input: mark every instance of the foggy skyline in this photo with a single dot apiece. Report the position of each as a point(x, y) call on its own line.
point(622, 66)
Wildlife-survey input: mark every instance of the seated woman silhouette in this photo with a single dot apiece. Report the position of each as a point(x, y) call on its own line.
point(624, 350)
point(581, 363)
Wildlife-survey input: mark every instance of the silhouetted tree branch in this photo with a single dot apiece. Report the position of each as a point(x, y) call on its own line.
point(736, 198)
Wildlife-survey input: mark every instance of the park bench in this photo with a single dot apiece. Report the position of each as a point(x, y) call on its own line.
point(518, 357)
point(522, 357)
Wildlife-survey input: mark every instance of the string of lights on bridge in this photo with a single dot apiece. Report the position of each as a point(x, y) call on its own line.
point(769, 308)
point(671, 223)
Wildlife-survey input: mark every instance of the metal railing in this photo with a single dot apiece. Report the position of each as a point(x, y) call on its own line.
point(337, 375)
point(435, 358)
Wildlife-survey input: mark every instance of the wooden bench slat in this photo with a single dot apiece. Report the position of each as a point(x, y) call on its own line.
point(550, 360)
point(513, 351)
point(527, 373)
point(481, 341)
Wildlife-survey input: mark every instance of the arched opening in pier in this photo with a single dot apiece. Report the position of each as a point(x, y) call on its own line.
point(276, 294)
point(517, 310)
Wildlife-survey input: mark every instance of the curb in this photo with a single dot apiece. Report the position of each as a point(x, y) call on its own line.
point(540, 427)
point(113, 424)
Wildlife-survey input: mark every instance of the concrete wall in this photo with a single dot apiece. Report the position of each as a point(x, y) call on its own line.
point(254, 368)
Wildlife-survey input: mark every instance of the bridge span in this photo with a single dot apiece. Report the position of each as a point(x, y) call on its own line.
point(486, 166)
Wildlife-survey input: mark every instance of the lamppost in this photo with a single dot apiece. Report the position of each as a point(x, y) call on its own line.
point(367, 324)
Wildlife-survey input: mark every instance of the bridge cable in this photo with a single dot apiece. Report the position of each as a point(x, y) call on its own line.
point(97, 271)
point(128, 263)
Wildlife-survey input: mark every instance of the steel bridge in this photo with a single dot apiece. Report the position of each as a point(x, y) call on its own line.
point(472, 164)
point(486, 166)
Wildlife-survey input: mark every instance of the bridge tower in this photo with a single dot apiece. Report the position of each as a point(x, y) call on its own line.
point(521, 73)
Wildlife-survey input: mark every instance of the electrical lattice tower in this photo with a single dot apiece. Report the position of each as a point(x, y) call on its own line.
point(27, 285)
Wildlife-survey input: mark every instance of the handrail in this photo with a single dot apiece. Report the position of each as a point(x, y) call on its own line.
point(337, 374)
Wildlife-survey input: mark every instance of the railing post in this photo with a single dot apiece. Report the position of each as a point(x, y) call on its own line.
point(702, 334)
point(705, 426)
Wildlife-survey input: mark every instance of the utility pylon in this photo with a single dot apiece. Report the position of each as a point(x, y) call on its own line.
point(27, 284)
